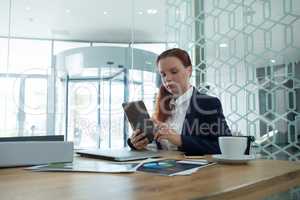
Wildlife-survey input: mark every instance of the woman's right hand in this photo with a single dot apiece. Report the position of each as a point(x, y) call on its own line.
point(138, 140)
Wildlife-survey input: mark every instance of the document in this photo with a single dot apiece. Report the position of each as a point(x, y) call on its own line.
point(86, 166)
point(173, 167)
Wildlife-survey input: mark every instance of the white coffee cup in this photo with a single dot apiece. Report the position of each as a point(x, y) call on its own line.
point(232, 146)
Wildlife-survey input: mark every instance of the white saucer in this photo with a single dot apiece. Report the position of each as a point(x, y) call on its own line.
point(233, 160)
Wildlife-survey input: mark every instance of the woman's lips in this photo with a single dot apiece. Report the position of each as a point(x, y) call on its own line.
point(171, 86)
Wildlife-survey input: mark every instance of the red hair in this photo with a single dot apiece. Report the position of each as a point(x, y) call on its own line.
point(163, 108)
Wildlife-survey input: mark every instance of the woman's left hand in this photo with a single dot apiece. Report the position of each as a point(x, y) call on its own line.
point(167, 133)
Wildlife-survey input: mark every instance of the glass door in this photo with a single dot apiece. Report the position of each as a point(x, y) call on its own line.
point(95, 117)
point(82, 114)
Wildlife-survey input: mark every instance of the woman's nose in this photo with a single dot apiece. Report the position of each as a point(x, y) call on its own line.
point(168, 78)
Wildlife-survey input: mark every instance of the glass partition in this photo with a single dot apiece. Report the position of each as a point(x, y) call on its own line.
point(247, 54)
point(34, 99)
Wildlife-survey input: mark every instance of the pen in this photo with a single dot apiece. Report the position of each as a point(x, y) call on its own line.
point(194, 157)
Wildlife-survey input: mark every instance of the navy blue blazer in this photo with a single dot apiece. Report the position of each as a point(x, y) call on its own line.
point(204, 123)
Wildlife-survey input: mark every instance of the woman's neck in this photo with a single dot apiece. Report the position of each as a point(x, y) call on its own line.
point(183, 91)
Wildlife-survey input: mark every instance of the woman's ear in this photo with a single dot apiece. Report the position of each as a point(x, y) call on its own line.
point(189, 70)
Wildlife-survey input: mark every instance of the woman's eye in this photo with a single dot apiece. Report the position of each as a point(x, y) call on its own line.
point(174, 72)
point(163, 74)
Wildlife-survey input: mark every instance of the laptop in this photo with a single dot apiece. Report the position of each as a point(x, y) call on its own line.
point(118, 154)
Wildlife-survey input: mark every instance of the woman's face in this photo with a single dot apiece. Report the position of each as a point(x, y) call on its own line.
point(175, 76)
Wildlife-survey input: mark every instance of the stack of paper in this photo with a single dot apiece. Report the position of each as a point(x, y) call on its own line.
point(87, 166)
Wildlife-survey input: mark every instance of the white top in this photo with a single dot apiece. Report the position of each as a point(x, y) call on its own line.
point(176, 120)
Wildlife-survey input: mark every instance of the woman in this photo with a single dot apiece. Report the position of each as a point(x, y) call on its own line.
point(187, 119)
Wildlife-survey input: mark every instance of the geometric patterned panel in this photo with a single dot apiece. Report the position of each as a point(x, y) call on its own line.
point(246, 52)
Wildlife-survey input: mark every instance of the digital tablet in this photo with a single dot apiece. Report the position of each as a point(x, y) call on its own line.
point(139, 118)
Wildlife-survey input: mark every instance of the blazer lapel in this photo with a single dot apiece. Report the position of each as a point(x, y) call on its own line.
point(190, 115)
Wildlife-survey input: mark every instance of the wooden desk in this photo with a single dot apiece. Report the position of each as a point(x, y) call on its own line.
point(259, 178)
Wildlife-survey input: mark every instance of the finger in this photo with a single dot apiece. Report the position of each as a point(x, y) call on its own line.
point(162, 125)
point(137, 138)
point(142, 143)
point(157, 123)
point(161, 136)
point(155, 136)
point(155, 120)
point(136, 132)
point(163, 131)
point(159, 139)
point(141, 146)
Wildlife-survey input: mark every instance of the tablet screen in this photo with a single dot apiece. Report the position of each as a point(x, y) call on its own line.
point(139, 118)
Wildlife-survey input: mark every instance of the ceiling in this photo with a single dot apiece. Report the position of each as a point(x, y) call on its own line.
point(89, 20)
